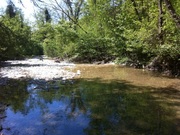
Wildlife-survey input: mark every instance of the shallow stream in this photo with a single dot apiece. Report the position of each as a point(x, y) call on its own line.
point(102, 100)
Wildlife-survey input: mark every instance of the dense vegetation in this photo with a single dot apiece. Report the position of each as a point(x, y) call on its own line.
point(135, 32)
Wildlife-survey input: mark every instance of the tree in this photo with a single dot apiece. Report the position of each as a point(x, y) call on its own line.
point(136, 10)
point(172, 12)
point(10, 10)
point(160, 25)
point(134, 30)
point(15, 37)
point(47, 15)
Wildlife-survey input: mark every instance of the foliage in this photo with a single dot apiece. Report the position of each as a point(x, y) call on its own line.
point(136, 30)
point(59, 40)
point(15, 39)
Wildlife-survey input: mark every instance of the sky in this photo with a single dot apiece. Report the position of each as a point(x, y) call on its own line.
point(28, 8)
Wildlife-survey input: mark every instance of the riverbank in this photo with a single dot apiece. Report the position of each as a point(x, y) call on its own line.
point(36, 68)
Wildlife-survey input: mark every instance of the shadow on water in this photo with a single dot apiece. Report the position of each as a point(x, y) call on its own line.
point(85, 106)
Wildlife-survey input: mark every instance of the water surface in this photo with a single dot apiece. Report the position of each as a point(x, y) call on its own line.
point(103, 100)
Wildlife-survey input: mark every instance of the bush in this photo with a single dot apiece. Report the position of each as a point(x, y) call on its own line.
point(92, 48)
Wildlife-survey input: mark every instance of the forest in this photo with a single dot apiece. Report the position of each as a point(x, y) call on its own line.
point(138, 33)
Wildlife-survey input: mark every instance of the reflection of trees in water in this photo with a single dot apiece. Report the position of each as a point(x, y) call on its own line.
point(76, 104)
point(14, 94)
point(121, 108)
point(104, 118)
point(3, 108)
point(2, 115)
point(115, 107)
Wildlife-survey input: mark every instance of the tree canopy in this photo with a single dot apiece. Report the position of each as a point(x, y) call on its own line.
point(141, 31)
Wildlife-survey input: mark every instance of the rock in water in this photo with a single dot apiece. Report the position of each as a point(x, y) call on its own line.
point(78, 72)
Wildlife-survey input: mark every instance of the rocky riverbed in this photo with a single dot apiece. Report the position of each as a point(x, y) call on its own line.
point(36, 69)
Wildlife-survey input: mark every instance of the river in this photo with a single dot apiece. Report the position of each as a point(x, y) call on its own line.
point(100, 100)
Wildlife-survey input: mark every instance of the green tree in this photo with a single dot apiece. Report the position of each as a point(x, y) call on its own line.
point(15, 36)
point(10, 10)
point(134, 30)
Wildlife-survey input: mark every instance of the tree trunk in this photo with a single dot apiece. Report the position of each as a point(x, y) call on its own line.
point(136, 10)
point(172, 12)
point(160, 23)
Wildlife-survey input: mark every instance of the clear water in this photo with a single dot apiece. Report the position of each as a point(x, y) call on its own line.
point(104, 100)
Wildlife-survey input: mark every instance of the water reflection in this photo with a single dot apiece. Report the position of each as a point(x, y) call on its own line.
point(76, 104)
point(89, 106)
